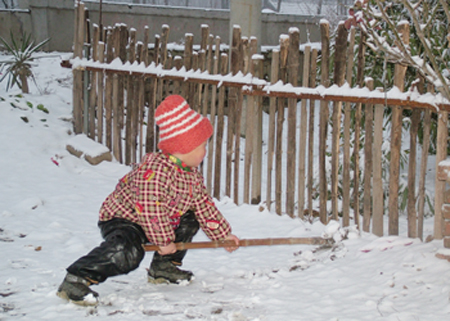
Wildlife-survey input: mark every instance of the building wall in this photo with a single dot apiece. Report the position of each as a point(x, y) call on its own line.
point(54, 19)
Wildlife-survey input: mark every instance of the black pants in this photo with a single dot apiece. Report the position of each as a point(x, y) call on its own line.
point(122, 250)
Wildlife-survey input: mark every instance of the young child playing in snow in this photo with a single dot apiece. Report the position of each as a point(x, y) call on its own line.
point(162, 201)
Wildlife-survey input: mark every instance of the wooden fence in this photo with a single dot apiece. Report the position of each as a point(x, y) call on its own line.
point(304, 160)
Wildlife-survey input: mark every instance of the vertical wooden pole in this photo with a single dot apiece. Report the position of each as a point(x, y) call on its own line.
point(163, 61)
point(77, 92)
point(109, 90)
point(284, 47)
point(323, 127)
point(238, 123)
point(312, 130)
point(249, 134)
point(423, 172)
point(356, 148)
point(368, 161)
point(293, 65)
point(378, 190)
point(208, 68)
point(412, 213)
point(116, 125)
point(237, 146)
point(340, 61)
point(441, 154)
point(220, 129)
point(93, 84)
point(257, 137)
point(347, 123)
point(209, 176)
point(151, 140)
point(272, 125)
point(235, 66)
point(188, 51)
point(131, 99)
point(303, 136)
point(100, 95)
point(396, 140)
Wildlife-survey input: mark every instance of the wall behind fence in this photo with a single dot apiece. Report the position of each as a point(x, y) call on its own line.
point(54, 19)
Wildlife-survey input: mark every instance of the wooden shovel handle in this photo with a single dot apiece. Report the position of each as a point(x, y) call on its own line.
point(245, 242)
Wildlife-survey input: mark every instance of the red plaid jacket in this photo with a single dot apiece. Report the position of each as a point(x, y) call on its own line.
point(156, 194)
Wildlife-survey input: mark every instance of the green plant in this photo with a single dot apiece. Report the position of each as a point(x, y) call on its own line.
point(17, 69)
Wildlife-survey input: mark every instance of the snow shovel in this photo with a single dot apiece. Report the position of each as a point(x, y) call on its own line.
point(247, 242)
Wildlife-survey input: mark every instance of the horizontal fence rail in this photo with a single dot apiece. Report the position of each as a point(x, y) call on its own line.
point(258, 87)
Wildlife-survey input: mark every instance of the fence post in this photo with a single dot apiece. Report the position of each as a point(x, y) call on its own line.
point(368, 161)
point(423, 171)
point(412, 213)
point(77, 96)
point(396, 137)
point(93, 84)
point(271, 134)
point(284, 46)
point(236, 63)
point(324, 113)
point(293, 64)
point(312, 130)
point(220, 129)
point(257, 61)
point(441, 152)
point(100, 88)
point(238, 122)
point(209, 177)
point(339, 80)
point(303, 136)
point(377, 198)
point(347, 124)
point(151, 136)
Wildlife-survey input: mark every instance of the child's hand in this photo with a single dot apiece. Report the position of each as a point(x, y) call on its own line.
point(235, 239)
point(168, 249)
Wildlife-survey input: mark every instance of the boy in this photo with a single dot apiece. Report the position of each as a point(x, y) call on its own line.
point(162, 201)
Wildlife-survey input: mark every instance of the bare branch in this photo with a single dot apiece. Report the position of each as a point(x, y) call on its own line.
point(443, 88)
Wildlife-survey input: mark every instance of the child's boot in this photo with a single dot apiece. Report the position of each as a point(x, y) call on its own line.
point(163, 270)
point(76, 289)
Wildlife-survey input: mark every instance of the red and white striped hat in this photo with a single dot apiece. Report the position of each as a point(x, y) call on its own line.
point(181, 129)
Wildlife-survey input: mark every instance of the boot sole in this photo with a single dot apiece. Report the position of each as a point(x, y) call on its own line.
point(85, 303)
point(153, 280)
point(160, 280)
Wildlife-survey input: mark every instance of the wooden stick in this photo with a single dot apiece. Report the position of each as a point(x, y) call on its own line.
point(246, 242)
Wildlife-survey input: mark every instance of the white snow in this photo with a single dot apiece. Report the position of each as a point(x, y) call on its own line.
point(49, 202)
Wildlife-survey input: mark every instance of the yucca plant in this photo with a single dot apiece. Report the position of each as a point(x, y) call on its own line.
point(17, 69)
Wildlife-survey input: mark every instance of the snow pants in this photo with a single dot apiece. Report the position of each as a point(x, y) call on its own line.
point(121, 251)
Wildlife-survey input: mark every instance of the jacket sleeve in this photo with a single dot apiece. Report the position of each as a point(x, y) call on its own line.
point(152, 187)
point(211, 221)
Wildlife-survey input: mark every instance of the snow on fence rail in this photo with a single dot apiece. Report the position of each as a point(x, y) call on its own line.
point(298, 163)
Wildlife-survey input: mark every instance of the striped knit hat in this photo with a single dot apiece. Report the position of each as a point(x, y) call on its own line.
point(181, 129)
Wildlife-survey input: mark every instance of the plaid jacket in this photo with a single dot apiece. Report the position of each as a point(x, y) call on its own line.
point(156, 194)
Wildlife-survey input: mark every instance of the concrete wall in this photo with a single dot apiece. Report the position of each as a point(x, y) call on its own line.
point(54, 19)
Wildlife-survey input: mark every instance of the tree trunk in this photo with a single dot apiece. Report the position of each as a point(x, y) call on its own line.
point(24, 83)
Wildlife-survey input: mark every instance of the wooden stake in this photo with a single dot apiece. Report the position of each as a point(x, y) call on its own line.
point(323, 127)
point(347, 125)
point(396, 140)
point(293, 65)
point(303, 136)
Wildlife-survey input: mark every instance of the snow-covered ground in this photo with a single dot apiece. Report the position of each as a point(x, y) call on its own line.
point(49, 201)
